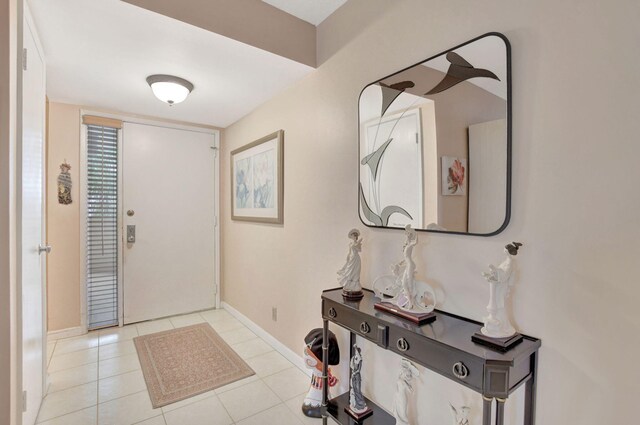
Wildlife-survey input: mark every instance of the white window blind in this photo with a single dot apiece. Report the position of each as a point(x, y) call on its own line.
point(102, 226)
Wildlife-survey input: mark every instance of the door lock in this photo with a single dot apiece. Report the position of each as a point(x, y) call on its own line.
point(131, 233)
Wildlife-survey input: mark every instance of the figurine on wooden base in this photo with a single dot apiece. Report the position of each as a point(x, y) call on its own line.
point(415, 300)
point(357, 408)
point(460, 415)
point(312, 404)
point(401, 401)
point(498, 330)
point(497, 324)
point(349, 274)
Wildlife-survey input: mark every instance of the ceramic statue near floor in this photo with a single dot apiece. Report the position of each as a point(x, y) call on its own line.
point(312, 404)
point(403, 390)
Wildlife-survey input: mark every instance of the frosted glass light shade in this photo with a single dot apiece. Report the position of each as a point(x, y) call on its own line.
point(169, 89)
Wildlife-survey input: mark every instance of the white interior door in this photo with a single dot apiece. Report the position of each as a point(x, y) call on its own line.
point(487, 176)
point(32, 235)
point(169, 184)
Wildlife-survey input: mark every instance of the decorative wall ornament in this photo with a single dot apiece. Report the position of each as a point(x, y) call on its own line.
point(349, 274)
point(460, 415)
point(311, 406)
point(403, 388)
point(454, 176)
point(257, 180)
point(460, 70)
point(357, 408)
point(418, 299)
point(64, 184)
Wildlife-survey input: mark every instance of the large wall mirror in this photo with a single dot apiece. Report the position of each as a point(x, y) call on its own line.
point(435, 142)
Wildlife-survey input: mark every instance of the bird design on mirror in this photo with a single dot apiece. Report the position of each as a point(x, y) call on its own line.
point(460, 70)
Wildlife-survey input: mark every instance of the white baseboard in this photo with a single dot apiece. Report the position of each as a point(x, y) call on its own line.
point(289, 354)
point(65, 333)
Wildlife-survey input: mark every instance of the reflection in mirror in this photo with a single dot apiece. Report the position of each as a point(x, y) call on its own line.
point(434, 142)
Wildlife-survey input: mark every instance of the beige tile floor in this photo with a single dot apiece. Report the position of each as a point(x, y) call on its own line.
point(95, 379)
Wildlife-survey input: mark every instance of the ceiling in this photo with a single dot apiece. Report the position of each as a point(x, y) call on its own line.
point(312, 11)
point(100, 52)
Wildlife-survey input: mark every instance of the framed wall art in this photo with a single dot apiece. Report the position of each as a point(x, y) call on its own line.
point(454, 176)
point(257, 180)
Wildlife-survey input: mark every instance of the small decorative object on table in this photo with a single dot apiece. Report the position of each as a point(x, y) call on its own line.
point(349, 274)
point(498, 332)
point(64, 184)
point(311, 406)
point(414, 301)
point(401, 401)
point(460, 415)
point(357, 408)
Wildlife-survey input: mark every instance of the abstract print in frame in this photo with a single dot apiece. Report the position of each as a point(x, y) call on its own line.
point(257, 180)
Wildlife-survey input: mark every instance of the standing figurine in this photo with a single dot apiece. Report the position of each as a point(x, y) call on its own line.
point(312, 404)
point(357, 406)
point(460, 417)
point(403, 388)
point(497, 324)
point(64, 184)
point(349, 274)
point(407, 297)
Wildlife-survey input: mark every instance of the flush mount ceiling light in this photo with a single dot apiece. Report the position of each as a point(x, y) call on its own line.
point(169, 89)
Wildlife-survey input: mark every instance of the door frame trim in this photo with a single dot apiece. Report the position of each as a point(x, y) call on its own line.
point(83, 203)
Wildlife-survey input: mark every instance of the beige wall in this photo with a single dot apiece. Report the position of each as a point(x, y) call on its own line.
point(8, 349)
point(575, 206)
point(63, 221)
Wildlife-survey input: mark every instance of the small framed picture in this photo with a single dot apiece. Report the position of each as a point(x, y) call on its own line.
point(454, 176)
point(257, 180)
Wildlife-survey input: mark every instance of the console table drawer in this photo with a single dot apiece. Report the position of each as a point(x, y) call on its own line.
point(451, 363)
point(356, 322)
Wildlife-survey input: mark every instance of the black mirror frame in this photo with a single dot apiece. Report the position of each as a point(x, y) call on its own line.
point(507, 217)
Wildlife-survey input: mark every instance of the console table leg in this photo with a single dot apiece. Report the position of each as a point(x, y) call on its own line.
point(530, 393)
point(487, 404)
point(500, 411)
point(325, 369)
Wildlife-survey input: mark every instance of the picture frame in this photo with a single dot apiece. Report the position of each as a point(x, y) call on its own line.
point(454, 176)
point(257, 180)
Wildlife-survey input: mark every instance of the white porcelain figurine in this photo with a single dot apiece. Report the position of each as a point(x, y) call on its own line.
point(403, 388)
point(349, 274)
point(414, 297)
point(460, 415)
point(497, 324)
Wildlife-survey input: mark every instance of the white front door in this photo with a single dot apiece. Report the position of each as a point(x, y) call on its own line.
point(168, 188)
point(31, 226)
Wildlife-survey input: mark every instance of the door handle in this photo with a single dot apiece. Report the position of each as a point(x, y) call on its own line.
point(44, 248)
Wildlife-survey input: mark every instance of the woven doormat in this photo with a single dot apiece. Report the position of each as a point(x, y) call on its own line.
point(184, 362)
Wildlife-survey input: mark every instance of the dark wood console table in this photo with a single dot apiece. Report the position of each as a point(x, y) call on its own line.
point(443, 346)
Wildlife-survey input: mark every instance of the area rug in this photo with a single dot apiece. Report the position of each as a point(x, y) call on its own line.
point(184, 362)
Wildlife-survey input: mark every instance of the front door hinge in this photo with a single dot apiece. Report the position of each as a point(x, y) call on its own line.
point(24, 59)
point(24, 401)
point(215, 151)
